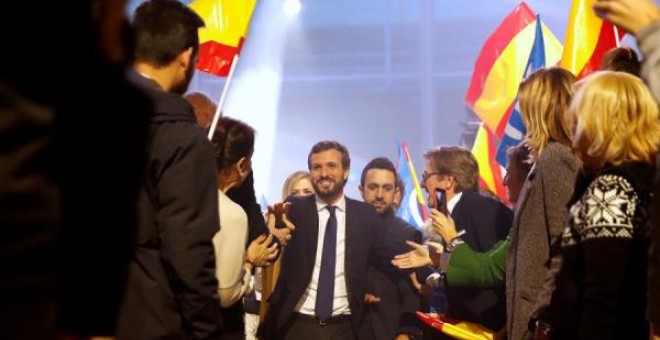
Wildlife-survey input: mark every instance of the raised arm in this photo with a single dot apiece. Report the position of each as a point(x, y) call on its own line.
point(467, 267)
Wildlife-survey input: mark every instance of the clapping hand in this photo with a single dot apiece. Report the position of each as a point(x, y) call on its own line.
point(262, 251)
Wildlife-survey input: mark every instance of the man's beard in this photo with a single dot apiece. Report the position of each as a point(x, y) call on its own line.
point(383, 209)
point(336, 188)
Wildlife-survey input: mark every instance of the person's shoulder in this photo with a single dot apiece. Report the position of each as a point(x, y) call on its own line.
point(231, 212)
point(302, 199)
point(557, 153)
point(476, 196)
point(484, 201)
point(299, 203)
point(359, 206)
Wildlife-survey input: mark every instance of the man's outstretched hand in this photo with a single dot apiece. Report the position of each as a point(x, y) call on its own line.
point(277, 216)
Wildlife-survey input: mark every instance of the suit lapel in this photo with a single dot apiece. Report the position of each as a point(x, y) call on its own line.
point(522, 200)
point(312, 224)
point(352, 222)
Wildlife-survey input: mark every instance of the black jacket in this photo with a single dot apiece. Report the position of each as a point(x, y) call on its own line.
point(365, 245)
point(485, 221)
point(395, 313)
point(172, 291)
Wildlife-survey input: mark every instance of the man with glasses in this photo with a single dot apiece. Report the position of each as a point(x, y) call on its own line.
point(453, 173)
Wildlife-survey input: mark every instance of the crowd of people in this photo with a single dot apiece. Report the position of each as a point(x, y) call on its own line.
point(177, 247)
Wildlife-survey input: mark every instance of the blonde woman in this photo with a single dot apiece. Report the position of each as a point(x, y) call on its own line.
point(297, 184)
point(605, 242)
point(544, 98)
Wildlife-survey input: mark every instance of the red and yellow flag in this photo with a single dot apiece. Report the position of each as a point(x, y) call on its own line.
point(227, 23)
point(490, 171)
point(501, 64)
point(457, 329)
point(588, 37)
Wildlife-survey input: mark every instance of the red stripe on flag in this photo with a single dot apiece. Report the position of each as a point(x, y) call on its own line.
point(606, 42)
point(505, 120)
point(216, 58)
point(496, 170)
point(496, 43)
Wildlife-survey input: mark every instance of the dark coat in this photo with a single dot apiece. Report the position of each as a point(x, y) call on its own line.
point(485, 221)
point(363, 240)
point(395, 313)
point(653, 294)
point(604, 257)
point(172, 290)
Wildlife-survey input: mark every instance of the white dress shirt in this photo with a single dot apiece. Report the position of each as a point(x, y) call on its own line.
point(435, 280)
point(307, 303)
point(453, 201)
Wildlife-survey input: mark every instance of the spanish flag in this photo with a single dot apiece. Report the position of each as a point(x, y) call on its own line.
point(501, 65)
point(588, 37)
point(227, 23)
point(490, 171)
point(457, 329)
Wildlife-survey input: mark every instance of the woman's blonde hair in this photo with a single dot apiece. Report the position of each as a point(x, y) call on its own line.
point(543, 99)
point(617, 117)
point(291, 181)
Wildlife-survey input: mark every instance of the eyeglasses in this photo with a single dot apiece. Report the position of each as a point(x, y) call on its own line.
point(426, 176)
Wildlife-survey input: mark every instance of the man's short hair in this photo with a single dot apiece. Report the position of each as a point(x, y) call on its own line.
point(330, 145)
point(163, 30)
point(456, 162)
point(381, 163)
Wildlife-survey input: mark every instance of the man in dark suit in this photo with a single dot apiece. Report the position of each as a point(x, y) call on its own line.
point(454, 172)
point(391, 299)
point(171, 291)
point(322, 284)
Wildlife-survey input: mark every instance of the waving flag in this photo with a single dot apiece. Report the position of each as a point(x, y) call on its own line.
point(588, 38)
point(501, 65)
point(490, 172)
point(227, 23)
point(457, 329)
point(413, 207)
point(515, 129)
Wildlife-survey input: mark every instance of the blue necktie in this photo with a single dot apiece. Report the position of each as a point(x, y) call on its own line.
point(326, 284)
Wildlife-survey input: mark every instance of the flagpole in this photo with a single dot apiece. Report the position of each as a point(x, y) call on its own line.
point(616, 36)
point(223, 97)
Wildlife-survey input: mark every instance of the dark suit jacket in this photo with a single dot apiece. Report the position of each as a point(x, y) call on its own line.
point(244, 196)
point(395, 313)
point(363, 240)
point(485, 221)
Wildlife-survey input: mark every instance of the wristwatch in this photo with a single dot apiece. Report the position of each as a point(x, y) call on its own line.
point(455, 242)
